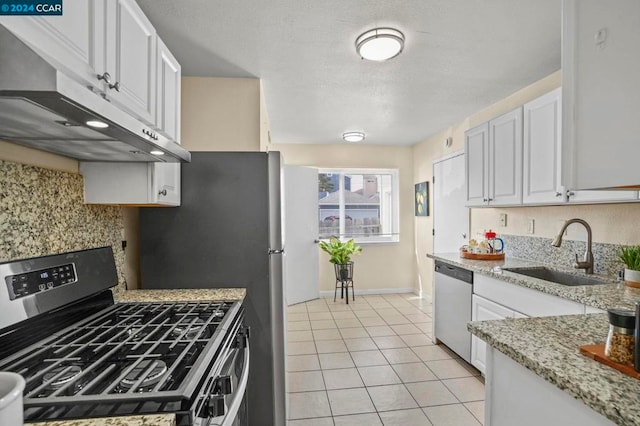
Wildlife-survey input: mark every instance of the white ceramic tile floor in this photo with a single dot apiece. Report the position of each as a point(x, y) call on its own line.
point(372, 363)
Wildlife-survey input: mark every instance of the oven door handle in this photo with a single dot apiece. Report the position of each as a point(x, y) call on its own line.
point(240, 391)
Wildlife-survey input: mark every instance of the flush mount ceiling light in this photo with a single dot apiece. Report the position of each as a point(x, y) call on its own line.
point(380, 44)
point(353, 136)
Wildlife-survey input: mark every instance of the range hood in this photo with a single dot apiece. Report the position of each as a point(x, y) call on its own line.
point(42, 108)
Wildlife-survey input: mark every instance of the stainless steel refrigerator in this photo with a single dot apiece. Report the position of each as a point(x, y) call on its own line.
point(227, 233)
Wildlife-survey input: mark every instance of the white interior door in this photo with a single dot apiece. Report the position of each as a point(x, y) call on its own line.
point(450, 216)
point(300, 219)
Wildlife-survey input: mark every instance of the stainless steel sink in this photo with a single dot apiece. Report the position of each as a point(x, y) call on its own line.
point(557, 277)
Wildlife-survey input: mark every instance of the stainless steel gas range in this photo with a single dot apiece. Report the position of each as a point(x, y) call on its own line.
point(83, 356)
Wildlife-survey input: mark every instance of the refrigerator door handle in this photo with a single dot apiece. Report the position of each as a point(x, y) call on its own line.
point(276, 251)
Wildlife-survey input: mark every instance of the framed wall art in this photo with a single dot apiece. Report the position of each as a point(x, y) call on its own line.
point(421, 199)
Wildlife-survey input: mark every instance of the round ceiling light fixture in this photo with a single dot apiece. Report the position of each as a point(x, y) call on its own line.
point(380, 44)
point(353, 136)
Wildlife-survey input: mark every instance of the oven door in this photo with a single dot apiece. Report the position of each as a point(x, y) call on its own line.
point(225, 402)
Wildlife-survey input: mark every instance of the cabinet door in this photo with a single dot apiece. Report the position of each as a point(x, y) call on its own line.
point(476, 164)
point(505, 159)
point(131, 59)
point(168, 93)
point(542, 156)
point(601, 93)
point(484, 310)
point(165, 183)
point(73, 42)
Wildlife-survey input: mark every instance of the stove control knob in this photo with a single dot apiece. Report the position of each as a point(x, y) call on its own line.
point(215, 405)
point(223, 385)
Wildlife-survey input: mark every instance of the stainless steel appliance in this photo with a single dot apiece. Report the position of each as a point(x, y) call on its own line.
point(452, 307)
point(42, 108)
point(83, 356)
point(227, 233)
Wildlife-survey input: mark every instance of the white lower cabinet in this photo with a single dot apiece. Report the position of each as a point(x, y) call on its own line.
point(494, 299)
point(485, 310)
point(517, 396)
point(131, 183)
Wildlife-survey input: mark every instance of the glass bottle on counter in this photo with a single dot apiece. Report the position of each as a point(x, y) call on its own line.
point(620, 344)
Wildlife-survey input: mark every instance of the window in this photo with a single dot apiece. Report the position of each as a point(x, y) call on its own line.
point(358, 203)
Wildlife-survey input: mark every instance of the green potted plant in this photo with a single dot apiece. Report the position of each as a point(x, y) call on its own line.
point(630, 256)
point(340, 254)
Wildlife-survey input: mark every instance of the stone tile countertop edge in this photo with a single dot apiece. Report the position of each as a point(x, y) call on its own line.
point(549, 346)
point(183, 295)
point(613, 295)
point(146, 420)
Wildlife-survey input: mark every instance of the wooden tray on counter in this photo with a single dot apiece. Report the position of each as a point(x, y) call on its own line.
point(483, 256)
point(596, 352)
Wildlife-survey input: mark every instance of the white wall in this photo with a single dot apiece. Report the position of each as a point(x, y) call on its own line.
point(380, 266)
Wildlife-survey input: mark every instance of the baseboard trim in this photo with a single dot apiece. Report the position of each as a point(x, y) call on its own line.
point(364, 292)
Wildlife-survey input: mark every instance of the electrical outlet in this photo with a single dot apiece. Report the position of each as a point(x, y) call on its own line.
point(531, 226)
point(503, 219)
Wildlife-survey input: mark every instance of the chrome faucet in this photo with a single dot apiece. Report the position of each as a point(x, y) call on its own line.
point(587, 261)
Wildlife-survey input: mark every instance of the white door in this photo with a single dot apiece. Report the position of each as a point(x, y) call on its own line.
point(450, 216)
point(300, 226)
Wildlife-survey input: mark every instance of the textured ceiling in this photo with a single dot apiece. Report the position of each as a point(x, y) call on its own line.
point(460, 56)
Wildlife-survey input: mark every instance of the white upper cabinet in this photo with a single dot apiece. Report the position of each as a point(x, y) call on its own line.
point(110, 47)
point(542, 143)
point(505, 159)
point(131, 183)
point(601, 93)
point(477, 164)
point(494, 161)
point(131, 59)
point(168, 80)
point(73, 42)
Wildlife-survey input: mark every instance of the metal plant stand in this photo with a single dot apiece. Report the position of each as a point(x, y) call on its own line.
point(344, 280)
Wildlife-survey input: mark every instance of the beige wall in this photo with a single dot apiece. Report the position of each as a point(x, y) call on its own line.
point(380, 266)
point(221, 114)
point(265, 136)
point(23, 155)
point(610, 223)
point(434, 148)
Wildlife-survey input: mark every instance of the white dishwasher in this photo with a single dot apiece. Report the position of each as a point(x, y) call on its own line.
point(452, 307)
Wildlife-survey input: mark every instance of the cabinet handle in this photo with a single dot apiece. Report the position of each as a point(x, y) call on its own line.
point(163, 192)
point(115, 86)
point(106, 77)
point(558, 194)
point(570, 193)
point(485, 199)
point(490, 199)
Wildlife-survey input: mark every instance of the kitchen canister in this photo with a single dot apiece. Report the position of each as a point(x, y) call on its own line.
point(620, 346)
point(11, 387)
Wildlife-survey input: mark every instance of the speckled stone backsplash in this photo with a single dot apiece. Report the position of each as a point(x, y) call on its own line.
point(43, 212)
point(540, 250)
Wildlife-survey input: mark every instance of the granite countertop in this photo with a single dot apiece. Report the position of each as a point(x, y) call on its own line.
point(148, 420)
point(598, 296)
point(549, 346)
point(183, 295)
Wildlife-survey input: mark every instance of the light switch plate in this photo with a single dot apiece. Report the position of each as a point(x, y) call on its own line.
point(531, 226)
point(503, 219)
